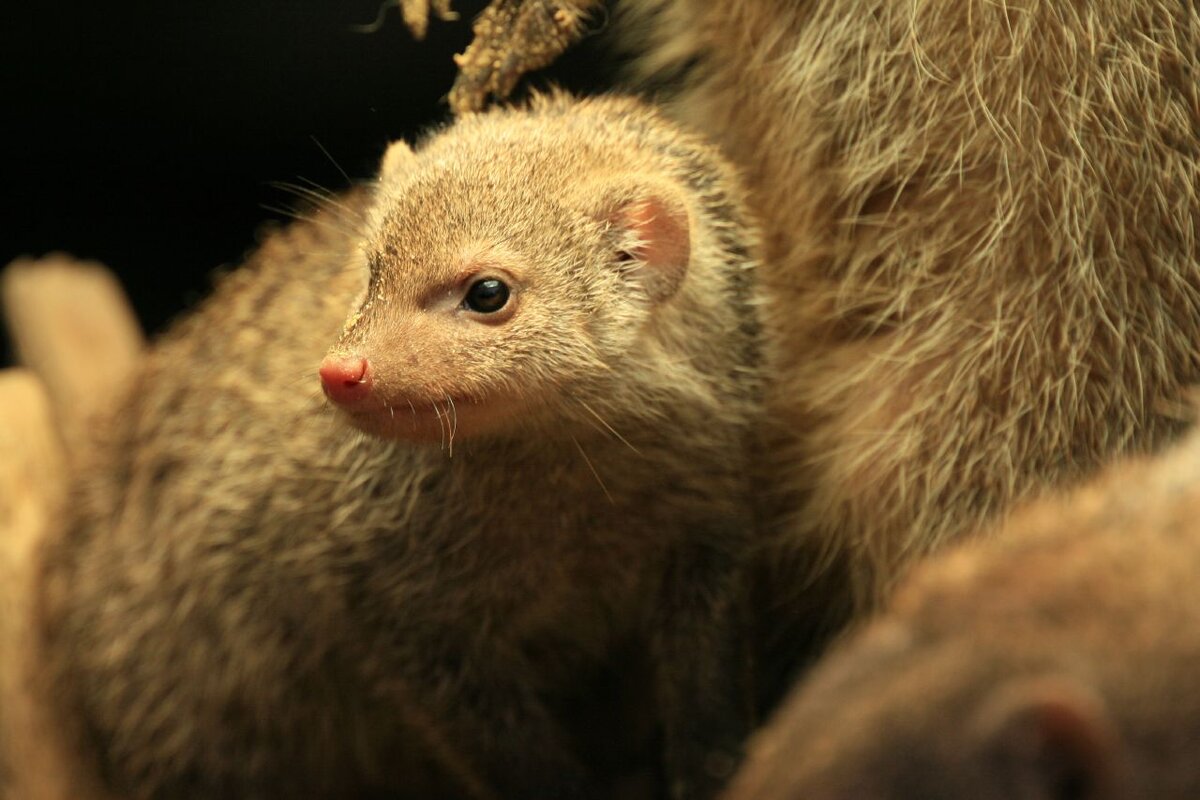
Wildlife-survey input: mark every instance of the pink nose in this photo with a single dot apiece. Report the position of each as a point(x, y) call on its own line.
point(346, 379)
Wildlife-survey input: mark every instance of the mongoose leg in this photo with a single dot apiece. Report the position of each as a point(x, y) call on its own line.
point(494, 717)
point(701, 675)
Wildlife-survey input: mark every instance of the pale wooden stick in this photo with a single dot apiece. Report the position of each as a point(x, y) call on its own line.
point(72, 325)
point(34, 764)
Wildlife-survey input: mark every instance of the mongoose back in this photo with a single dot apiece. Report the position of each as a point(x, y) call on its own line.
point(1057, 662)
point(982, 256)
point(551, 346)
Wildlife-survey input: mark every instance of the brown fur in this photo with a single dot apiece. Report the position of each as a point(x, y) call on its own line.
point(982, 248)
point(1058, 661)
point(255, 600)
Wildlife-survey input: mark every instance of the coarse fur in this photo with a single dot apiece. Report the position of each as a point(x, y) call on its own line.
point(1056, 661)
point(981, 245)
point(981, 257)
point(254, 599)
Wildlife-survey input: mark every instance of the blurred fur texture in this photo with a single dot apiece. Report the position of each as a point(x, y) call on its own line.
point(982, 258)
point(1057, 660)
point(981, 254)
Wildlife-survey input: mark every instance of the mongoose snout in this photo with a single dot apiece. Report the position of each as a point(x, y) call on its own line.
point(346, 380)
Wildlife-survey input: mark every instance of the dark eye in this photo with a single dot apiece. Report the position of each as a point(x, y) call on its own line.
point(486, 296)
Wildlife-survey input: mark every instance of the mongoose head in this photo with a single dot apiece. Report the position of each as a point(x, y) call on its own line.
point(1053, 658)
point(515, 266)
point(895, 718)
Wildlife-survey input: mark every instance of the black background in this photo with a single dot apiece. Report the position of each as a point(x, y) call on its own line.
point(151, 135)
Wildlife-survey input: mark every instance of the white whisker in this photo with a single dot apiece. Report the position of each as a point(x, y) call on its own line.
point(437, 412)
point(596, 474)
point(453, 423)
point(610, 428)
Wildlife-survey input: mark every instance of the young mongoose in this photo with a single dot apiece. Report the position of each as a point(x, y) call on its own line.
point(982, 244)
point(1057, 662)
point(552, 353)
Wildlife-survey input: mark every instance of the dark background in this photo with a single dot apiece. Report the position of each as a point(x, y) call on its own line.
point(151, 134)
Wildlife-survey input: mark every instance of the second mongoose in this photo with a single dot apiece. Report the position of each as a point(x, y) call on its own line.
point(981, 247)
point(537, 450)
point(1056, 661)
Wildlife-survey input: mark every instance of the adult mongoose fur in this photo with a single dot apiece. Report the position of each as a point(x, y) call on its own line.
point(981, 247)
point(1056, 661)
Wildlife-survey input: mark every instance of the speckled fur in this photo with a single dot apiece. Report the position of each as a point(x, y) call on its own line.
point(1079, 622)
point(254, 600)
point(981, 245)
point(980, 257)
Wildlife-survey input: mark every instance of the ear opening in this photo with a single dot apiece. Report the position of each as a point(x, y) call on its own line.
point(653, 234)
point(398, 159)
point(1050, 738)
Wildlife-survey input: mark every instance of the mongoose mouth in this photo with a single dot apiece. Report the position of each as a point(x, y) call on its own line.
point(425, 417)
point(442, 422)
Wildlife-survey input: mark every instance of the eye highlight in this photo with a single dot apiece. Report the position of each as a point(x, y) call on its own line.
point(486, 296)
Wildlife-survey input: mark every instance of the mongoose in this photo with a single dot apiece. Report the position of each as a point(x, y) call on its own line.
point(1057, 661)
point(551, 349)
point(982, 255)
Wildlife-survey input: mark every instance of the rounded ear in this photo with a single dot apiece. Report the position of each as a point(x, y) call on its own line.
point(652, 233)
point(398, 159)
point(1050, 738)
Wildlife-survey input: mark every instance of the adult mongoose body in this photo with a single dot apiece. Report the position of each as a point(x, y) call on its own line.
point(982, 255)
point(552, 345)
point(1056, 661)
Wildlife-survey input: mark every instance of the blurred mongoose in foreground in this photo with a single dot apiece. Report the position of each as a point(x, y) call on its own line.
point(538, 449)
point(982, 255)
point(1057, 662)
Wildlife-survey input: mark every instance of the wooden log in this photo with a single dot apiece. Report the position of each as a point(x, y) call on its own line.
point(72, 325)
point(34, 764)
point(31, 470)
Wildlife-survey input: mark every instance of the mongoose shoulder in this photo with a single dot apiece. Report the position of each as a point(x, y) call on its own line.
point(537, 449)
point(1056, 661)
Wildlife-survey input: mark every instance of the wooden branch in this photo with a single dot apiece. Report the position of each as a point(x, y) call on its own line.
point(31, 469)
point(72, 325)
point(35, 762)
point(31, 485)
point(73, 328)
